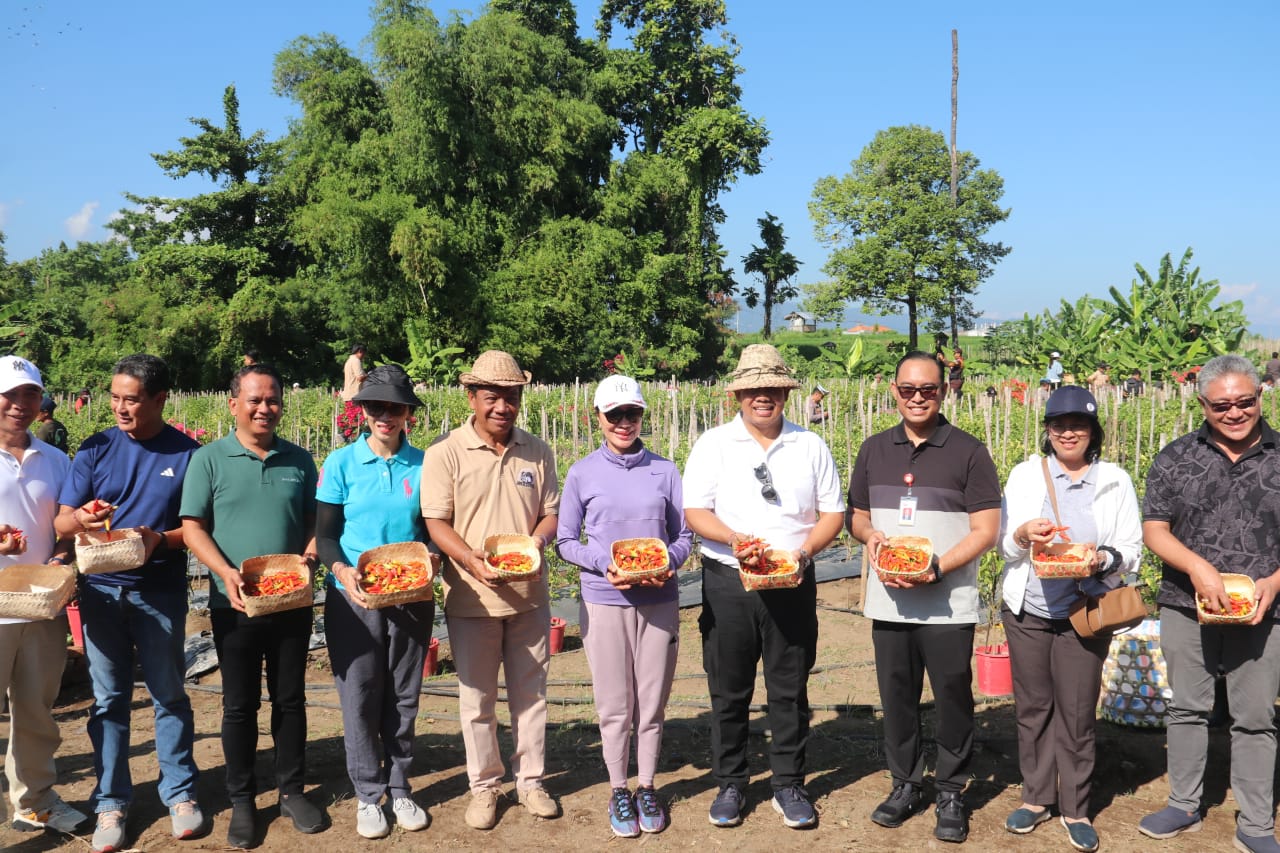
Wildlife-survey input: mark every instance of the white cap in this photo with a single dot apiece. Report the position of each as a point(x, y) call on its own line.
point(1055, 355)
point(16, 371)
point(618, 390)
point(820, 389)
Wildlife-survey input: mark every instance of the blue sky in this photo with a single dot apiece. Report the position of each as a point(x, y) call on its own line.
point(1123, 131)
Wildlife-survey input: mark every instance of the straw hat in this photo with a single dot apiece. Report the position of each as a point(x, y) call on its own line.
point(761, 366)
point(497, 368)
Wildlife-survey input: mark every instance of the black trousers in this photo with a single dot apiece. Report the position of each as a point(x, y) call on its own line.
point(280, 641)
point(904, 653)
point(740, 628)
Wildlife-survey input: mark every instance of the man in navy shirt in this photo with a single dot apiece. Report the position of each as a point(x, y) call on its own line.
point(130, 476)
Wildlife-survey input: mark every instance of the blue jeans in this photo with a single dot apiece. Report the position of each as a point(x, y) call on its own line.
point(121, 626)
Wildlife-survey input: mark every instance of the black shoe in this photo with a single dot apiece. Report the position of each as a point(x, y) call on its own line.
point(306, 817)
point(727, 808)
point(243, 831)
point(902, 804)
point(953, 818)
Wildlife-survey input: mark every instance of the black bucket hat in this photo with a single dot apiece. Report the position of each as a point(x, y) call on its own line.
point(387, 383)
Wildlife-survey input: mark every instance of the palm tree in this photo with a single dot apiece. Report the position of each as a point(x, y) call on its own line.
point(775, 266)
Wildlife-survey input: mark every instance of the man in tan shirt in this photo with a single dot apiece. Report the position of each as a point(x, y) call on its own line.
point(484, 478)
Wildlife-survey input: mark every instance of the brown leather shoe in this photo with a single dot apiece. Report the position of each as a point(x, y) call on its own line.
point(539, 802)
point(483, 811)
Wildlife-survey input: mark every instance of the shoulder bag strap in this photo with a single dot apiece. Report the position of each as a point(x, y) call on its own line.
point(1053, 493)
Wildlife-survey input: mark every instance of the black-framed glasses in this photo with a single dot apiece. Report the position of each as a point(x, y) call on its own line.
point(908, 392)
point(378, 408)
point(633, 414)
point(1221, 407)
point(767, 491)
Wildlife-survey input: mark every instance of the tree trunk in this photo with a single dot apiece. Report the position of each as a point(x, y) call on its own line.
point(768, 317)
point(955, 163)
point(912, 332)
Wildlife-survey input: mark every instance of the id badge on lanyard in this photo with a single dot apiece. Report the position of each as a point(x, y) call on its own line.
point(907, 504)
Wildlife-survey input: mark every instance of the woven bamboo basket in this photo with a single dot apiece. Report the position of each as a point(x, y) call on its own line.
point(1042, 560)
point(1240, 585)
point(507, 543)
point(273, 564)
point(753, 581)
point(400, 552)
point(644, 574)
point(102, 551)
point(922, 543)
point(32, 591)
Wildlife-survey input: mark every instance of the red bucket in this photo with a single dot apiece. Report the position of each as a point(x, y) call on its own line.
point(431, 660)
point(995, 674)
point(557, 635)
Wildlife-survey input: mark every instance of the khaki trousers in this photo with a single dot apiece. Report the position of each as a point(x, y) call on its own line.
point(32, 655)
point(520, 643)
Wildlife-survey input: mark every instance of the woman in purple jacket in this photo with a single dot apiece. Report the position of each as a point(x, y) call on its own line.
point(630, 631)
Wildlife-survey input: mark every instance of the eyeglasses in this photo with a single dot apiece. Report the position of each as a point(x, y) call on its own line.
point(908, 392)
point(1078, 428)
point(767, 491)
point(1223, 406)
point(632, 414)
point(377, 409)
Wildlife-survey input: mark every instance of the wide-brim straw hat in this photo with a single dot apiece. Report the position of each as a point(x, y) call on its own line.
point(496, 368)
point(761, 366)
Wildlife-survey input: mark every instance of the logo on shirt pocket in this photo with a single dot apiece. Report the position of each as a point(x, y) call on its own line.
point(525, 479)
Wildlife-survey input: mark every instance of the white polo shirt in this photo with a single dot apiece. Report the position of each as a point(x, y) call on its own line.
point(720, 476)
point(29, 500)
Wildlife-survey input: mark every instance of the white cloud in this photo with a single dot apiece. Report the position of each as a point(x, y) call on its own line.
point(78, 223)
point(1237, 291)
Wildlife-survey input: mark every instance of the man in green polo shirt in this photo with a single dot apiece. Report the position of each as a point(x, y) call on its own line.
point(249, 494)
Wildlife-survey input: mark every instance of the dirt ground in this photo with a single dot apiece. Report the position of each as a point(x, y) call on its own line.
point(847, 776)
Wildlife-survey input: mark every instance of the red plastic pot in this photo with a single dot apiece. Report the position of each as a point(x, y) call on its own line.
point(557, 635)
point(995, 673)
point(431, 661)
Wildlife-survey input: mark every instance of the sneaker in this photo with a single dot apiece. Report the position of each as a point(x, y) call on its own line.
point(1168, 822)
point(242, 831)
point(109, 834)
point(1255, 843)
point(793, 804)
point(953, 819)
point(1083, 836)
point(653, 817)
point(622, 814)
point(904, 801)
point(370, 821)
point(538, 802)
point(187, 819)
point(306, 818)
point(483, 811)
point(411, 816)
point(727, 808)
point(59, 817)
point(1022, 821)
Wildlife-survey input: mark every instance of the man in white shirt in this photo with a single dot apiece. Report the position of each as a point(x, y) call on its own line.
point(760, 476)
point(32, 653)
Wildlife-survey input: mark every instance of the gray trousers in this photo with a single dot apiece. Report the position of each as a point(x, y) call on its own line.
point(377, 663)
point(1250, 656)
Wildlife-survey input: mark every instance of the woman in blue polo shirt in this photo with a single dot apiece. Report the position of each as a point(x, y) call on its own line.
point(368, 496)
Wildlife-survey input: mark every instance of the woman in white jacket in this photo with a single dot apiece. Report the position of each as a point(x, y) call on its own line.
point(1057, 674)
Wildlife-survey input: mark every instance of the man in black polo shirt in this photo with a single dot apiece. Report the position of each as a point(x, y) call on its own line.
point(924, 477)
point(1213, 505)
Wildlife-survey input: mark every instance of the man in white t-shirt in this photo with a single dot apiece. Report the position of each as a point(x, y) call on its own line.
point(32, 653)
point(760, 476)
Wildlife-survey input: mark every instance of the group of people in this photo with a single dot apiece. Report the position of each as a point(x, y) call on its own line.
point(757, 481)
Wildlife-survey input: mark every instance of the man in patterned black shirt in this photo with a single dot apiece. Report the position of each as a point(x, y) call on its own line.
point(1213, 505)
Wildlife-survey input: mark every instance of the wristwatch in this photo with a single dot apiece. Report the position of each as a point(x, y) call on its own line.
point(937, 570)
point(805, 557)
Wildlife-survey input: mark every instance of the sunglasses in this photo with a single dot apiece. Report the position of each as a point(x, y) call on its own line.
point(377, 409)
point(631, 414)
point(767, 491)
point(1223, 406)
point(1075, 427)
point(908, 392)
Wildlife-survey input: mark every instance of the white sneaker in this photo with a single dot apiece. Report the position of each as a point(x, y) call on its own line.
point(370, 821)
point(409, 814)
point(59, 817)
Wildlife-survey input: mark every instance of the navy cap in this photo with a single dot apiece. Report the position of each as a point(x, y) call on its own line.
point(47, 404)
point(1070, 400)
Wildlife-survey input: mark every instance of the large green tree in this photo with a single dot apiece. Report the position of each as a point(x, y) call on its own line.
point(898, 243)
point(775, 266)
